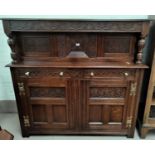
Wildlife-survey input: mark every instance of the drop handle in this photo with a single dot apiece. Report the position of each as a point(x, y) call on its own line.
point(61, 73)
point(27, 73)
point(92, 74)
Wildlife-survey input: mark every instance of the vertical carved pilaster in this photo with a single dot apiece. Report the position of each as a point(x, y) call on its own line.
point(14, 55)
point(141, 44)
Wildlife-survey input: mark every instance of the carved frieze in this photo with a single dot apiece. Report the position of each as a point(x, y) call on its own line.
point(47, 92)
point(109, 72)
point(109, 92)
point(50, 72)
point(74, 26)
point(76, 73)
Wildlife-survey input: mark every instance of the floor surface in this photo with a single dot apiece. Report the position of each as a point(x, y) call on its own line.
point(10, 122)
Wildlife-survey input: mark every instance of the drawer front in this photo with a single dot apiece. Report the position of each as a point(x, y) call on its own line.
point(109, 73)
point(49, 72)
point(75, 73)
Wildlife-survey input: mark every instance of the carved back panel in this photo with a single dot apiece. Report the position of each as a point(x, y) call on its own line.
point(93, 44)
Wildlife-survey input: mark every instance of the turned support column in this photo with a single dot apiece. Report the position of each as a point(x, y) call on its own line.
point(141, 44)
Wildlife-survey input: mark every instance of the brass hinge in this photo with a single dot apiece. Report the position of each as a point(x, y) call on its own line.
point(26, 121)
point(133, 89)
point(129, 122)
point(21, 88)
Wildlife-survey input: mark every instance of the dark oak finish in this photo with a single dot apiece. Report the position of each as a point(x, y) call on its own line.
point(77, 77)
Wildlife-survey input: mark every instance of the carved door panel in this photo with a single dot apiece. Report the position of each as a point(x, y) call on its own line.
point(107, 104)
point(48, 101)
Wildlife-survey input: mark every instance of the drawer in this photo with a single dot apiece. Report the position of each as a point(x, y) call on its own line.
point(74, 73)
point(49, 72)
point(109, 73)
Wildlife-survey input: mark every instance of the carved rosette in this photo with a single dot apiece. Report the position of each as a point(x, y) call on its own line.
point(141, 44)
point(11, 43)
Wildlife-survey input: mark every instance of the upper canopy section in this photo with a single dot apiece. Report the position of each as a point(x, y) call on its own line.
point(53, 40)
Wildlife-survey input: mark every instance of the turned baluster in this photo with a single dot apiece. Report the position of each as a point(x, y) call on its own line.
point(141, 44)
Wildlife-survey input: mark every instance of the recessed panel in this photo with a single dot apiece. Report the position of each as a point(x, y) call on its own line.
point(36, 44)
point(117, 44)
point(39, 113)
point(116, 114)
point(152, 111)
point(68, 42)
point(59, 114)
point(95, 114)
point(154, 94)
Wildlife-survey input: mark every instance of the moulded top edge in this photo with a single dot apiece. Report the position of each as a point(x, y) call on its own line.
point(101, 66)
point(74, 19)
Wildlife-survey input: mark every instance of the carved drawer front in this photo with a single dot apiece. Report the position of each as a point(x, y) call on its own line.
point(48, 103)
point(109, 73)
point(49, 72)
point(106, 104)
point(42, 72)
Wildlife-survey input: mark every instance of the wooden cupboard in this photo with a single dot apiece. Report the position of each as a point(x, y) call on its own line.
point(77, 77)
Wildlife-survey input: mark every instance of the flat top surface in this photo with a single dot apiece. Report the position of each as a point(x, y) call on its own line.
point(74, 64)
point(71, 19)
point(77, 17)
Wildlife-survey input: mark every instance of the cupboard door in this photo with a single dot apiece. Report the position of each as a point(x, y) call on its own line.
point(49, 103)
point(106, 104)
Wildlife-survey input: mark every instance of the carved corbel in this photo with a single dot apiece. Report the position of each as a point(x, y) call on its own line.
point(14, 53)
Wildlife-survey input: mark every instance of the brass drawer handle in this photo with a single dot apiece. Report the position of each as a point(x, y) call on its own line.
point(61, 73)
point(77, 44)
point(126, 74)
point(92, 74)
point(27, 73)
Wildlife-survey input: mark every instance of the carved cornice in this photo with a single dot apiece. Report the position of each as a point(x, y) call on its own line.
point(73, 26)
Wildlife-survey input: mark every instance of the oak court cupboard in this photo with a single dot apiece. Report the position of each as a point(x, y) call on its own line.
point(77, 76)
